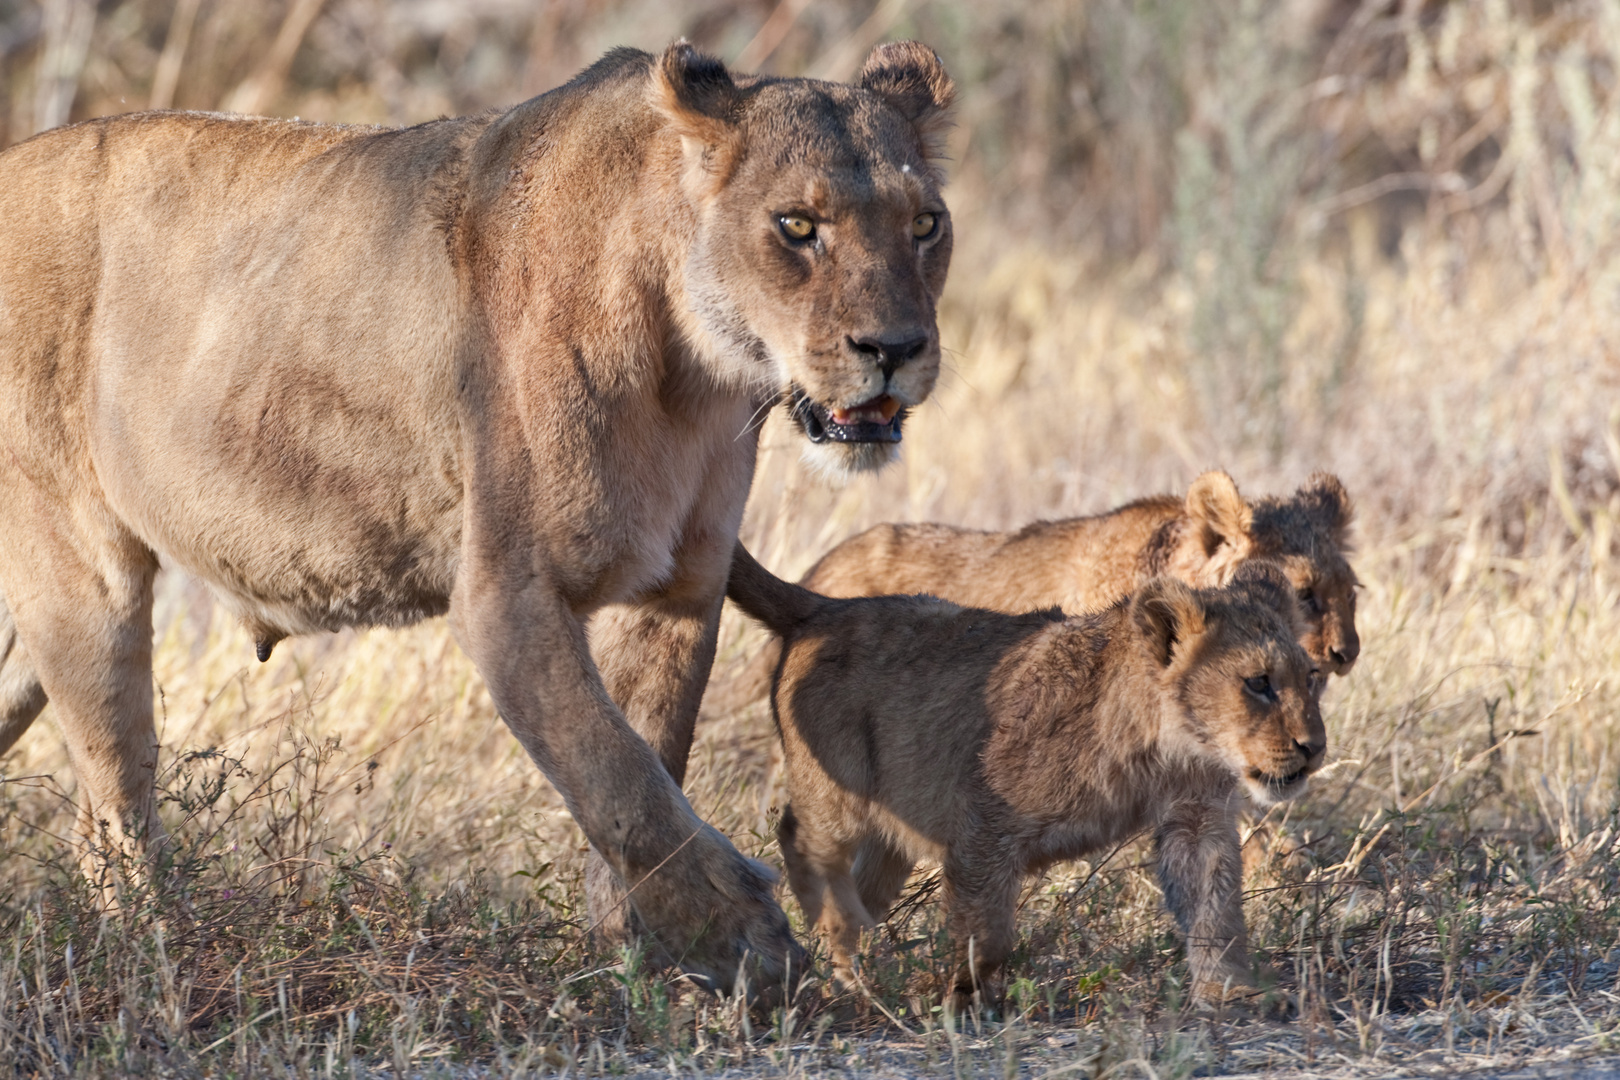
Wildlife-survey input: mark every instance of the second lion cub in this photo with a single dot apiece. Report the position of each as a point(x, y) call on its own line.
point(998, 744)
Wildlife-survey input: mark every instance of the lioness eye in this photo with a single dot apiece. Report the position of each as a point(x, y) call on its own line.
point(1308, 598)
point(796, 226)
point(1260, 687)
point(923, 225)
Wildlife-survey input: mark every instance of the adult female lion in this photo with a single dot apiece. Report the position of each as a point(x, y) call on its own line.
point(503, 366)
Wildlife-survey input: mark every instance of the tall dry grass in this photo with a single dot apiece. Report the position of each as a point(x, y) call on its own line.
point(1376, 238)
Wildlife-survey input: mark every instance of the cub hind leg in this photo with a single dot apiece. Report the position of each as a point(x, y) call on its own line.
point(881, 870)
point(22, 697)
point(818, 863)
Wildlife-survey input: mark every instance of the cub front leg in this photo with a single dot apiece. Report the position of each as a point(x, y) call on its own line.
point(1200, 866)
point(696, 896)
point(981, 894)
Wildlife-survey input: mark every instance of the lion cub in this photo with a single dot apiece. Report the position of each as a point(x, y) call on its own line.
point(998, 744)
point(1082, 564)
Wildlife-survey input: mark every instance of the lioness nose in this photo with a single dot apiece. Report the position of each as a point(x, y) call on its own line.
point(1344, 655)
point(1311, 749)
point(889, 354)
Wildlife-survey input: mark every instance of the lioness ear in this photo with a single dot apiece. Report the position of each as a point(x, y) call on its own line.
point(1168, 615)
point(1222, 515)
point(1326, 501)
point(697, 98)
point(908, 76)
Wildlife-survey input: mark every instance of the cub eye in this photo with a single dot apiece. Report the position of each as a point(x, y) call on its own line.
point(1260, 687)
point(796, 226)
point(923, 225)
point(1316, 678)
point(1308, 598)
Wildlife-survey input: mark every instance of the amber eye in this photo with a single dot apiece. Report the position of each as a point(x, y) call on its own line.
point(796, 226)
point(923, 225)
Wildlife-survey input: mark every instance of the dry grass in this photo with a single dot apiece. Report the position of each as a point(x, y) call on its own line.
point(381, 880)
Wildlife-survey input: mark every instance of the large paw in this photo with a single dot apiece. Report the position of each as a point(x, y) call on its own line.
point(713, 913)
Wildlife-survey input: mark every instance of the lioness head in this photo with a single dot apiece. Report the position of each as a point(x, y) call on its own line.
point(1246, 690)
point(1306, 534)
point(822, 239)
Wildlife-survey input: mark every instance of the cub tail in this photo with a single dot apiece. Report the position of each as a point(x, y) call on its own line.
point(782, 607)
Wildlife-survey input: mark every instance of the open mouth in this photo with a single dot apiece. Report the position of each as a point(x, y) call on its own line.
point(874, 421)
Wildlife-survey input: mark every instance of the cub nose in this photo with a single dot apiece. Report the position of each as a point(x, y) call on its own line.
point(1312, 749)
point(1344, 655)
point(889, 353)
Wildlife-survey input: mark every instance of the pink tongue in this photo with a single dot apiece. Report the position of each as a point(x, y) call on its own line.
point(880, 410)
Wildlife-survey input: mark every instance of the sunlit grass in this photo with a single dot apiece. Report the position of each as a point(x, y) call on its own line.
point(379, 878)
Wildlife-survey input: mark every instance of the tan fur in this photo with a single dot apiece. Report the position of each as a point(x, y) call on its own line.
point(1083, 564)
point(505, 367)
point(996, 744)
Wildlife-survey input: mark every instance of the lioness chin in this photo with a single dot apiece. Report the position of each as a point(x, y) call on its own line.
point(997, 744)
point(503, 367)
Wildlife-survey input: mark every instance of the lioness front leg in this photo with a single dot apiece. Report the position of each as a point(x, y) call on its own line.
point(1200, 866)
point(704, 904)
point(654, 659)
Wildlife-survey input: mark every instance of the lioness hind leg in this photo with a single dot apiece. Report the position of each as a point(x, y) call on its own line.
point(21, 695)
point(86, 625)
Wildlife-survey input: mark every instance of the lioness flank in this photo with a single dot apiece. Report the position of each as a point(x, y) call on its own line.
point(503, 367)
point(996, 744)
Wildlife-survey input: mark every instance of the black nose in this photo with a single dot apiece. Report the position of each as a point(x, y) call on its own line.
point(1311, 749)
point(1344, 656)
point(889, 355)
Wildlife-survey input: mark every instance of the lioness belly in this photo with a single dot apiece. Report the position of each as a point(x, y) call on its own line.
point(266, 388)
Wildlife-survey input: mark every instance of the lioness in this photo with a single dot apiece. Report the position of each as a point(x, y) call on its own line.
point(503, 366)
point(1087, 563)
point(997, 744)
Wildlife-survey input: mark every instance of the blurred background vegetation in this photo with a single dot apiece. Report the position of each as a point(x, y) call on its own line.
point(1378, 237)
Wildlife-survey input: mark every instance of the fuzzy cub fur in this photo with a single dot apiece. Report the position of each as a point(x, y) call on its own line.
point(997, 744)
point(1087, 563)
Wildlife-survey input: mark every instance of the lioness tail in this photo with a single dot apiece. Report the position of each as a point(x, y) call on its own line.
point(781, 606)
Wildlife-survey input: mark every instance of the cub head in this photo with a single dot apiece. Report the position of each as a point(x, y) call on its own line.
point(1306, 534)
point(1245, 690)
point(822, 238)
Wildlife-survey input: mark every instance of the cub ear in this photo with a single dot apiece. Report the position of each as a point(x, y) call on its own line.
point(1222, 515)
point(910, 78)
point(698, 100)
point(1326, 501)
point(1168, 615)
